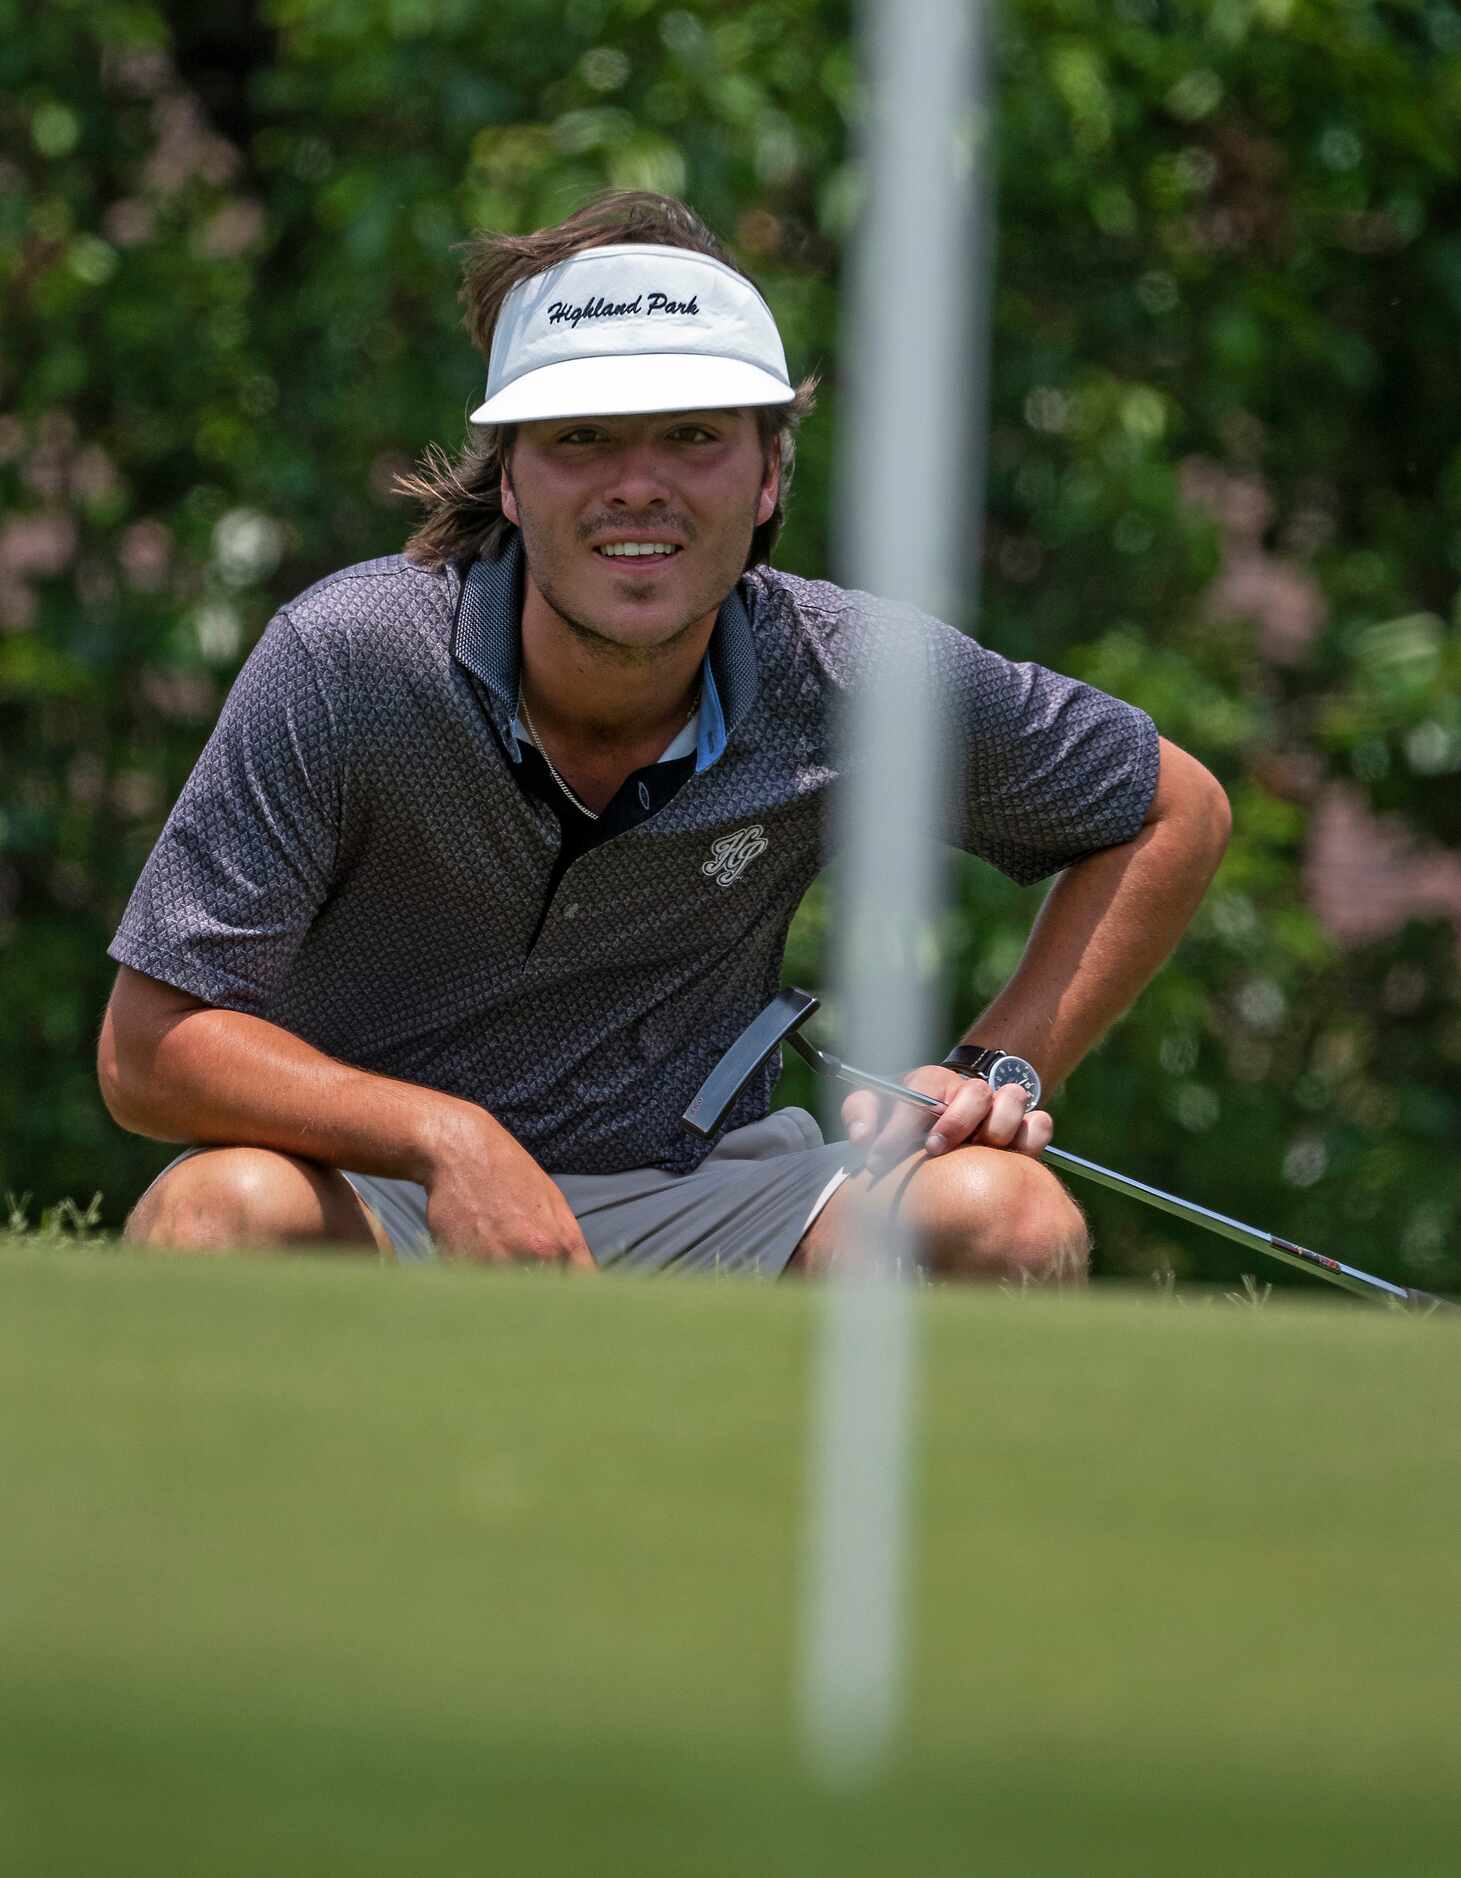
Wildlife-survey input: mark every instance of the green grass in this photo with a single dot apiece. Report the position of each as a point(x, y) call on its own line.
point(315, 1567)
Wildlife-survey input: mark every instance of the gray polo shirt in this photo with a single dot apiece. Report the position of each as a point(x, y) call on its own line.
point(355, 856)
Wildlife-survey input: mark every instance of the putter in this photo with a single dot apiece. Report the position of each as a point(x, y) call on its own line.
point(780, 1023)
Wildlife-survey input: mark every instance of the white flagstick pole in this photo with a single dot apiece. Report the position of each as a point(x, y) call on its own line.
point(910, 508)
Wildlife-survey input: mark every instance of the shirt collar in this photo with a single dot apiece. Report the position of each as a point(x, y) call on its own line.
point(486, 640)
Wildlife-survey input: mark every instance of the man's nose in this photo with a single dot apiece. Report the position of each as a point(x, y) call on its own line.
point(638, 478)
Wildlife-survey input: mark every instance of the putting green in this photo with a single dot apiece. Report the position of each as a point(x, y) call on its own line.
point(320, 1567)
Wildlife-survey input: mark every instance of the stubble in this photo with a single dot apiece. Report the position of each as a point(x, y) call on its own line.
point(599, 643)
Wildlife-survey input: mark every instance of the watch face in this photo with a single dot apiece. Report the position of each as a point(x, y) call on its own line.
point(1015, 1069)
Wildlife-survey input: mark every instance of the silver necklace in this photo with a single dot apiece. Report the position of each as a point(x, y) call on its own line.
point(582, 806)
point(572, 794)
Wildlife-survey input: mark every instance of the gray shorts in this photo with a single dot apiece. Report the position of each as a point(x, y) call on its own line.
point(744, 1209)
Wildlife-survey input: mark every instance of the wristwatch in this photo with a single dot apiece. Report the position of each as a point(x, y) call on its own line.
point(997, 1068)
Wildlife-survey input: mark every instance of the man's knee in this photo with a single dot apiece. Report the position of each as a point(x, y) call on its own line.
point(227, 1197)
point(988, 1213)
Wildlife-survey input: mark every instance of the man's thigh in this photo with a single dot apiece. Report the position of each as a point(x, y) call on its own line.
point(744, 1209)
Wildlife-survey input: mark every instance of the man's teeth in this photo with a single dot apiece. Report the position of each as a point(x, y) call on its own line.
point(640, 547)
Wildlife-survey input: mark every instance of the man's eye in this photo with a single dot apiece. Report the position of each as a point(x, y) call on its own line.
point(693, 433)
point(579, 436)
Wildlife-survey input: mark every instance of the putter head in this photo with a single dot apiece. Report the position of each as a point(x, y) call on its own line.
point(786, 1012)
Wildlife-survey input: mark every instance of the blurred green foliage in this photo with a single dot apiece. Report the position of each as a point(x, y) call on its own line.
point(1224, 481)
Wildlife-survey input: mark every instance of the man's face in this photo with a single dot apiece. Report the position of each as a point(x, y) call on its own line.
point(686, 488)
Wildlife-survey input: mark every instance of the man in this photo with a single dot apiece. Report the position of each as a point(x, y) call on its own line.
point(494, 848)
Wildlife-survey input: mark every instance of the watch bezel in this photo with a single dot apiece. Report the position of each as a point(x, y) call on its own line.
point(975, 1060)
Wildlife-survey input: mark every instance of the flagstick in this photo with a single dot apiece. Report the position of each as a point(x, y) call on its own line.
point(910, 500)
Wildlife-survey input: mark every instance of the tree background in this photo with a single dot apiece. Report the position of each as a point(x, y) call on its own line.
point(1224, 482)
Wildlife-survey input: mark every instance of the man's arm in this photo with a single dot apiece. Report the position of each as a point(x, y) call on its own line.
point(1107, 925)
point(176, 1069)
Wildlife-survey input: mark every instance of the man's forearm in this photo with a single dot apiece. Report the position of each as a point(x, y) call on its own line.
point(202, 1074)
point(1107, 926)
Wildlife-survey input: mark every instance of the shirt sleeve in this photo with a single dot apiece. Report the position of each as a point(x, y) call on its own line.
point(246, 859)
point(1043, 769)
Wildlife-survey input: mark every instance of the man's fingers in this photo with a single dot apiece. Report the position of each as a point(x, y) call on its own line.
point(570, 1248)
point(885, 1129)
point(860, 1116)
point(964, 1117)
point(984, 1117)
point(562, 1253)
point(1006, 1113)
point(899, 1135)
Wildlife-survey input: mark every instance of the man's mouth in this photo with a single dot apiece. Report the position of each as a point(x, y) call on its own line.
point(638, 550)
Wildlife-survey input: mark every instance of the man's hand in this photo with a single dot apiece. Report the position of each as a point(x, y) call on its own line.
point(489, 1200)
point(180, 1070)
point(972, 1113)
point(1107, 924)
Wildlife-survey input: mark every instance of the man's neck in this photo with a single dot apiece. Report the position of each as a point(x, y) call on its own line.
point(583, 690)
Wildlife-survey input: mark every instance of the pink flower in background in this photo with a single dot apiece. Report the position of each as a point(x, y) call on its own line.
point(1275, 591)
point(145, 554)
point(36, 545)
point(31, 548)
point(189, 696)
point(1240, 505)
point(186, 147)
point(233, 229)
point(1365, 875)
point(93, 474)
point(142, 70)
point(130, 222)
point(49, 463)
point(1286, 603)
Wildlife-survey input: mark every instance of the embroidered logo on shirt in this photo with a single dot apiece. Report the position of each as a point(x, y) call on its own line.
point(733, 854)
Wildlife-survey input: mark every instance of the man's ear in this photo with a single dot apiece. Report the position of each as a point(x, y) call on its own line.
point(770, 484)
point(505, 492)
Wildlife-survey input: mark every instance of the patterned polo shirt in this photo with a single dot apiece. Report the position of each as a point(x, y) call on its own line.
point(356, 859)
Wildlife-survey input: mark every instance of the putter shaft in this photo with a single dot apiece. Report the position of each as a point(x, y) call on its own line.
point(829, 1065)
point(1349, 1277)
point(1251, 1236)
point(779, 1023)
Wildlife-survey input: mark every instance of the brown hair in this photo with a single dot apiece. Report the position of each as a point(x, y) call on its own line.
point(462, 495)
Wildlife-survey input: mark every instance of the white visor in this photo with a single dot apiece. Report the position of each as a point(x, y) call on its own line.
point(616, 331)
